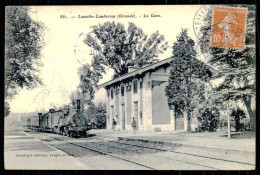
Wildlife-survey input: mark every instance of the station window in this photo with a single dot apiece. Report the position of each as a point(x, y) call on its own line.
point(112, 94)
point(135, 86)
point(117, 91)
point(141, 84)
point(122, 90)
point(128, 88)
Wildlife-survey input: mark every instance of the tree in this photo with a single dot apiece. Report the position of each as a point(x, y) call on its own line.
point(65, 109)
point(23, 43)
point(7, 109)
point(88, 83)
point(237, 66)
point(207, 107)
point(74, 96)
point(238, 114)
point(96, 114)
point(118, 48)
point(209, 119)
point(183, 88)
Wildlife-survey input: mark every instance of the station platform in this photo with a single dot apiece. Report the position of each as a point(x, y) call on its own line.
point(22, 151)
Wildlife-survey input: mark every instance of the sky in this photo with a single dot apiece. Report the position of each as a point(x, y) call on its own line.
point(65, 51)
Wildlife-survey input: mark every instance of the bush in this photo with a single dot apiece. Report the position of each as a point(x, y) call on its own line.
point(209, 120)
point(238, 115)
point(96, 115)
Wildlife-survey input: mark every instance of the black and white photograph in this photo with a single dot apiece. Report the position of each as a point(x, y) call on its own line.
point(121, 87)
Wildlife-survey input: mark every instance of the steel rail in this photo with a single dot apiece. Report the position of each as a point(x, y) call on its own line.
point(164, 150)
point(133, 161)
point(178, 152)
point(104, 153)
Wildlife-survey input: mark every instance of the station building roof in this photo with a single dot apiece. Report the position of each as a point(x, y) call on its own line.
point(148, 68)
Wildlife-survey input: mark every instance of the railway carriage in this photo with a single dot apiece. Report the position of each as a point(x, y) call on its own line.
point(32, 122)
point(54, 120)
point(49, 121)
point(43, 122)
point(71, 123)
point(29, 123)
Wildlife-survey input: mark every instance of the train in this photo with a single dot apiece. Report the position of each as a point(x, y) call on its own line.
point(69, 122)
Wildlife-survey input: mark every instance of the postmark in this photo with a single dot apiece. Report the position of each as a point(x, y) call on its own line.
point(198, 20)
point(228, 27)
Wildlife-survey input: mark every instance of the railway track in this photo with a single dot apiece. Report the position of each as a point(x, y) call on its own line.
point(112, 147)
point(134, 148)
point(98, 151)
point(118, 147)
point(178, 152)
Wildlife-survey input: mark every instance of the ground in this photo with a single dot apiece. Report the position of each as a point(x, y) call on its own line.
point(107, 149)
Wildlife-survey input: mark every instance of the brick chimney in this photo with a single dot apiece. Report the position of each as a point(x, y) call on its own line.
point(132, 68)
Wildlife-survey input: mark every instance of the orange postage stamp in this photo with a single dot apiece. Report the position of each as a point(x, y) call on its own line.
point(229, 27)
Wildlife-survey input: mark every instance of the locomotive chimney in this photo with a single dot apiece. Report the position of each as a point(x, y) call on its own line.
point(78, 105)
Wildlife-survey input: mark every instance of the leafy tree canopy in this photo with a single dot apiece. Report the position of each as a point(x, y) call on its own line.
point(7, 109)
point(238, 114)
point(184, 90)
point(88, 83)
point(96, 114)
point(23, 43)
point(237, 66)
point(185, 68)
point(209, 119)
point(118, 48)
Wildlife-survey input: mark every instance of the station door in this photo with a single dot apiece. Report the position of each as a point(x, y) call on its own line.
point(136, 113)
point(179, 123)
point(123, 117)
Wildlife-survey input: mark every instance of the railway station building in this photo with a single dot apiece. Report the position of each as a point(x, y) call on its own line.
point(140, 94)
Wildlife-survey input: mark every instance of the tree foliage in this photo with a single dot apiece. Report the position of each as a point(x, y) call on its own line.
point(74, 96)
point(183, 90)
point(88, 83)
point(96, 114)
point(23, 43)
point(118, 48)
point(7, 109)
point(87, 86)
point(237, 66)
point(65, 109)
point(237, 115)
point(209, 119)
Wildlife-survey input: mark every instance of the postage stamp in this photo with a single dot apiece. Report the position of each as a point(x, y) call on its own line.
point(228, 27)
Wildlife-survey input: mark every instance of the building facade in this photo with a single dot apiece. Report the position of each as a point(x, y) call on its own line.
point(140, 94)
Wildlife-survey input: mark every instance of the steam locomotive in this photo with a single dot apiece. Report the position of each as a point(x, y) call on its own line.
point(70, 122)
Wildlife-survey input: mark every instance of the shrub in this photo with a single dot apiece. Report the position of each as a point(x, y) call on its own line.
point(209, 120)
point(96, 115)
point(238, 115)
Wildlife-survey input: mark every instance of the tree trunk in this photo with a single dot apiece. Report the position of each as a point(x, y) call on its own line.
point(250, 111)
point(188, 81)
point(6, 87)
point(189, 121)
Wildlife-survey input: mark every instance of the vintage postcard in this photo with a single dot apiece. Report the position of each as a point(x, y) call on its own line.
point(130, 87)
